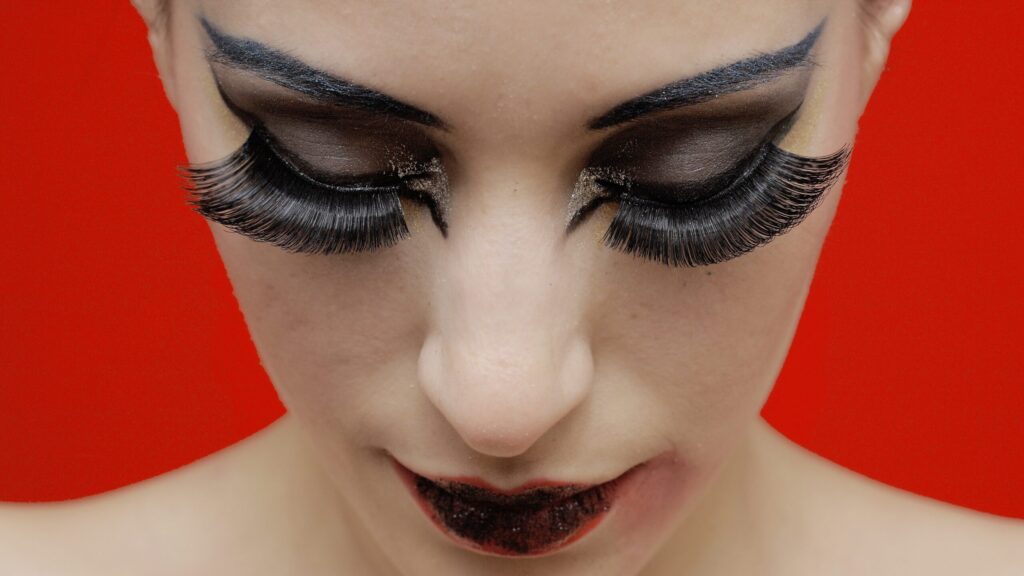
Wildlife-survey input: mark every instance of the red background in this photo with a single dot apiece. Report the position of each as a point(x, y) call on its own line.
point(123, 354)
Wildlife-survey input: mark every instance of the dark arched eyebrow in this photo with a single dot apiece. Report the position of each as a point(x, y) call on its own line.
point(735, 77)
point(290, 72)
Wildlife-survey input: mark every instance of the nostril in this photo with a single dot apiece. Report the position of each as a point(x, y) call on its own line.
point(502, 405)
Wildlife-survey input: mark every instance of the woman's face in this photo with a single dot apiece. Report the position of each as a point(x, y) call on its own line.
point(495, 342)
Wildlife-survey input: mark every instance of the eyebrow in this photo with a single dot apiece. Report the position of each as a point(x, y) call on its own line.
point(290, 72)
point(735, 77)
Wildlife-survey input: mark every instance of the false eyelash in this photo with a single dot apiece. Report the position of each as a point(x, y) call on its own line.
point(770, 198)
point(259, 194)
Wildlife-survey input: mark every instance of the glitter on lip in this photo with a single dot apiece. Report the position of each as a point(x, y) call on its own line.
point(536, 518)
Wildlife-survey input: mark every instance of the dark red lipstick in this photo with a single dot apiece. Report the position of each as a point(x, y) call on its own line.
point(536, 518)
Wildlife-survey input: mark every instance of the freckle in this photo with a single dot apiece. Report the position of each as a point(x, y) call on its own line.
point(708, 272)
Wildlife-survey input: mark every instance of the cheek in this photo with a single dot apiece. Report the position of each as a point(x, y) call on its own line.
point(704, 345)
point(336, 334)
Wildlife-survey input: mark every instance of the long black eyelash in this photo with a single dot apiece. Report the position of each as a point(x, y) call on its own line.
point(255, 192)
point(771, 198)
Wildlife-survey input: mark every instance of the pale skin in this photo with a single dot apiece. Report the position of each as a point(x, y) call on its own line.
point(510, 349)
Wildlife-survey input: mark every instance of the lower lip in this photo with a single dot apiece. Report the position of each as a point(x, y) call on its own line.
point(515, 531)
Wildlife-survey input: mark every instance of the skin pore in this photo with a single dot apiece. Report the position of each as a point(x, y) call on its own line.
point(507, 346)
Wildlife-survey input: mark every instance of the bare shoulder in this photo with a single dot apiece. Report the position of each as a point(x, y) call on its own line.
point(174, 523)
point(869, 527)
point(23, 538)
point(947, 539)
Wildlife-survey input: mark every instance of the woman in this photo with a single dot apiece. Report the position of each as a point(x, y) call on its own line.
point(523, 274)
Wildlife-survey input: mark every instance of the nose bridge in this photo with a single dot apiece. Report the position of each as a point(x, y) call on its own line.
point(502, 286)
point(505, 292)
point(504, 362)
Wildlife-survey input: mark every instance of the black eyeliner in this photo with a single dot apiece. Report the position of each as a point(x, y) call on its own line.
point(780, 191)
point(254, 193)
point(269, 194)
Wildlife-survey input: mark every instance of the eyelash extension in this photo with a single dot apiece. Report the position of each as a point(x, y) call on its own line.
point(772, 196)
point(260, 194)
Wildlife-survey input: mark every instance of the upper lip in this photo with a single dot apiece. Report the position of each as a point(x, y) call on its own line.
point(532, 492)
point(521, 496)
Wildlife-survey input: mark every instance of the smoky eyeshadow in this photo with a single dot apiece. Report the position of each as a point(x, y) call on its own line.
point(674, 156)
point(685, 155)
point(696, 144)
point(329, 142)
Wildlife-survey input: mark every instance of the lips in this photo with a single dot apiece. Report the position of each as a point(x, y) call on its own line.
point(527, 521)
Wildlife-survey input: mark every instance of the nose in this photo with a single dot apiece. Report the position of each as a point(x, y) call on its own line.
point(505, 361)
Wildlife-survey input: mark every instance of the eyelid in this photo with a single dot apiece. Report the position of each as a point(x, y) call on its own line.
point(412, 180)
point(359, 182)
point(721, 182)
point(697, 192)
point(258, 130)
point(399, 178)
point(292, 161)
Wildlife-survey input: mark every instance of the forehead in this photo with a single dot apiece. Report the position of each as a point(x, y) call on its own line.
point(523, 65)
